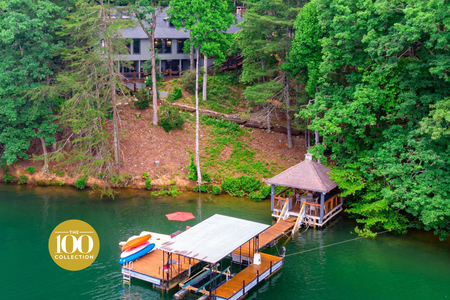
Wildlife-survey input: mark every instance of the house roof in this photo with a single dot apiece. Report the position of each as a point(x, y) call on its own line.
point(165, 31)
point(307, 175)
point(214, 238)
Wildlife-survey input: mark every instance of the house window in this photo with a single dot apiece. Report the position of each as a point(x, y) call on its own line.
point(180, 46)
point(136, 46)
point(163, 46)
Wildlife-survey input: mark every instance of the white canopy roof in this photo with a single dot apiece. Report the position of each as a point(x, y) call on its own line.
point(214, 238)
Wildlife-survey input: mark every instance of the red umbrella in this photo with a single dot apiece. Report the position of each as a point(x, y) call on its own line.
point(180, 216)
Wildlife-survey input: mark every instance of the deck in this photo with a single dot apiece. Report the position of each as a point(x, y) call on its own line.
point(151, 268)
point(266, 238)
point(238, 286)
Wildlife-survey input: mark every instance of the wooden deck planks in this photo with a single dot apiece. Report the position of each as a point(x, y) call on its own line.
point(152, 265)
point(272, 233)
point(235, 284)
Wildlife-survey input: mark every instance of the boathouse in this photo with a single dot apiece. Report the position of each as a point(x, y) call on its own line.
point(218, 258)
point(309, 195)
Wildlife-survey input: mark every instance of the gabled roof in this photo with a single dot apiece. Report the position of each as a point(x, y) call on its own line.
point(307, 175)
point(214, 238)
point(165, 31)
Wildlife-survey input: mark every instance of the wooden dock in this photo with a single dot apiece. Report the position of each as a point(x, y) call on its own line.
point(152, 268)
point(266, 238)
point(238, 286)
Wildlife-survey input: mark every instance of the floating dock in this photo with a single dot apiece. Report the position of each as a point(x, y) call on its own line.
point(206, 247)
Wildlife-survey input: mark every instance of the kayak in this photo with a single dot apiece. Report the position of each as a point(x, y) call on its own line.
point(136, 242)
point(132, 251)
point(138, 254)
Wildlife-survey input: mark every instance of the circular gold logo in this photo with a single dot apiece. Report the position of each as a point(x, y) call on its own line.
point(74, 245)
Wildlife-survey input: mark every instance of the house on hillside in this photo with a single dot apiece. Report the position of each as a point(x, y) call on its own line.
point(169, 43)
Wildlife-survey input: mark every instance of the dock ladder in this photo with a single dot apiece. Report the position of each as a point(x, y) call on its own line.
point(300, 218)
point(284, 212)
point(127, 267)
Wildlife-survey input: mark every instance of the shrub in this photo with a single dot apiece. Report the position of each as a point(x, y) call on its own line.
point(145, 175)
point(172, 191)
point(60, 173)
point(60, 183)
point(201, 188)
point(30, 170)
point(81, 182)
point(175, 95)
point(239, 186)
point(142, 97)
point(148, 184)
point(148, 79)
point(192, 169)
point(22, 179)
point(188, 81)
point(216, 190)
point(170, 118)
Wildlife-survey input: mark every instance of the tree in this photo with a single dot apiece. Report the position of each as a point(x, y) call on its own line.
point(268, 25)
point(146, 13)
point(207, 22)
point(88, 86)
point(383, 86)
point(28, 44)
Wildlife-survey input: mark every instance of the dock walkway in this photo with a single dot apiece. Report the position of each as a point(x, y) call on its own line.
point(240, 284)
point(266, 238)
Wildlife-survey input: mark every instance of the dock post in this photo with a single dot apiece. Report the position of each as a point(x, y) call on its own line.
point(243, 287)
point(322, 203)
point(270, 272)
point(272, 196)
point(257, 276)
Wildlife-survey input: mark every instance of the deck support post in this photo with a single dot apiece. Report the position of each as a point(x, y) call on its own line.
point(272, 196)
point(322, 204)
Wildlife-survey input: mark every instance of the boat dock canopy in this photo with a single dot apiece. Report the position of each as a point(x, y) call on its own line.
point(214, 238)
point(308, 175)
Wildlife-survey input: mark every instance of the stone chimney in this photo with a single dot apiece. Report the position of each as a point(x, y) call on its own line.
point(308, 156)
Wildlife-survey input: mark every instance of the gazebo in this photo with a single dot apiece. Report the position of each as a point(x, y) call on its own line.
point(310, 195)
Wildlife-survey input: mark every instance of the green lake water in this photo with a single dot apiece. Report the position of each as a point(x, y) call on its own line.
point(414, 266)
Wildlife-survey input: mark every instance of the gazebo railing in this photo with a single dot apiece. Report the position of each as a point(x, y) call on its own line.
point(331, 204)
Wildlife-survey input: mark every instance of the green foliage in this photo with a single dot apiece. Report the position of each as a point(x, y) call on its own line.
point(241, 159)
point(61, 173)
point(192, 175)
point(148, 184)
point(143, 99)
point(80, 183)
point(145, 175)
point(171, 191)
point(174, 95)
point(188, 81)
point(208, 188)
point(381, 106)
point(28, 45)
point(22, 179)
point(241, 186)
point(60, 183)
point(31, 170)
point(364, 232)
point(216, 190)
point(170, 118)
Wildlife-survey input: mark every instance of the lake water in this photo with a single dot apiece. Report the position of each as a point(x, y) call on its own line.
point(414, 266)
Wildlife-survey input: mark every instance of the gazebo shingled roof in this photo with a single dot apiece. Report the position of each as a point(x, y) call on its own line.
point(307, 175)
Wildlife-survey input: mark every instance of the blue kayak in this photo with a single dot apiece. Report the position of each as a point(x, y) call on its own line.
point(136, 255)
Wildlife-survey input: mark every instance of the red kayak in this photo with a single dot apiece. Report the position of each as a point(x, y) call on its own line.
point(136, 242)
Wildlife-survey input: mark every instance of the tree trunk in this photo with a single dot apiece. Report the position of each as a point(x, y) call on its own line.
point(191, 58)
point(153, 59)
point(205, 76)
point(113, 91)
point(288, 115)
point(197, 157)
point(45, 168)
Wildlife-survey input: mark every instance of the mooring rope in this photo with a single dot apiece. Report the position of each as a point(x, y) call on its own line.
point(334, 244)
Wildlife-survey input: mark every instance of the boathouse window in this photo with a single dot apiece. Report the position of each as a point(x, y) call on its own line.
point(180, 46)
